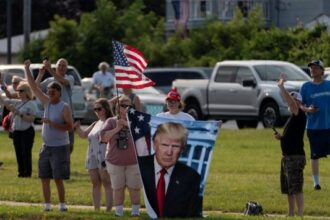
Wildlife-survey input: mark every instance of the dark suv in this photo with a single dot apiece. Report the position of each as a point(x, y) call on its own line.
point(163, 77)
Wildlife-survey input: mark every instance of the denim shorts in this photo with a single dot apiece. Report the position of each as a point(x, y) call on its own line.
point(319, 142)
point(54, 162)
point(292, 174)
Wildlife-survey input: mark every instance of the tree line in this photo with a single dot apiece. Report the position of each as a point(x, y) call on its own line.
point(88, 41)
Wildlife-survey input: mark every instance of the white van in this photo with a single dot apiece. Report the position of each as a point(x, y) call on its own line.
point(78, 97)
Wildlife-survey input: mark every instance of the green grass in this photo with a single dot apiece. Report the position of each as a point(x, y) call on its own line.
point(245, 166)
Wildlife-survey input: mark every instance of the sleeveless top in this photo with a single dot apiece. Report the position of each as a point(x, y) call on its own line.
point(51, 136)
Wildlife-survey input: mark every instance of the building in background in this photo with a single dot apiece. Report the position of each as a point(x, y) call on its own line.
point(280, 13)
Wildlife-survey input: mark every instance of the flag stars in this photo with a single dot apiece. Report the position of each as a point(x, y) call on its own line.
point(137, 130)
point(131, 110)
point(141, 117)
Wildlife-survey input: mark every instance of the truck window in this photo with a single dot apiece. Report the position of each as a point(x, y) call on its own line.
point(243, 73)
point(226, 74)
point(191, 75)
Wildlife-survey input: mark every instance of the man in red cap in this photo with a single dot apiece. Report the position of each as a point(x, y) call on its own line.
point(175, 106)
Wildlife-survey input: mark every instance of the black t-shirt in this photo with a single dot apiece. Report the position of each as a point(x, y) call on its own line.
point(292, 142)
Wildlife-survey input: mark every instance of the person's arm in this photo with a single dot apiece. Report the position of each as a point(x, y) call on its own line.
point(107, 133)
point(293, 106)
point(137, 103)
point(82, 133)
point(68, 121)
point(57, 77)
point(44, 99)
point(40, 76)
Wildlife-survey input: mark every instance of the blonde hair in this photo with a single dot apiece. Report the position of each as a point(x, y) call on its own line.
point(175, 130)
point(25, 86)
point(17, 79)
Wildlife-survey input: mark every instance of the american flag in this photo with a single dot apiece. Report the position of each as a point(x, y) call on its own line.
point(199, 149)
point(129, 65)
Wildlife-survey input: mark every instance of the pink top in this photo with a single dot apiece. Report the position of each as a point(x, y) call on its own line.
point(114, 155)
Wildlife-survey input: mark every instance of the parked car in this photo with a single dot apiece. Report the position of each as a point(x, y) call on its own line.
point(153, 101)
point(163, 77)
point(245, 91)
point(78, 98)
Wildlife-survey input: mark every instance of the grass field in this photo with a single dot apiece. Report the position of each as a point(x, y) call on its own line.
point(245, 166)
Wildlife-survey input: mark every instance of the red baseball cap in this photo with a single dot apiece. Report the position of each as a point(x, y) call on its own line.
point(173, 95)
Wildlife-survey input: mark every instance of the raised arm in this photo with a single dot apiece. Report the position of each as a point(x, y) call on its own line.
point(56, 76)
point(293, 106)
point(44, 99)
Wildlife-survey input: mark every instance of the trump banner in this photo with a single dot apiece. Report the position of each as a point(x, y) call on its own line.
point(196, 155)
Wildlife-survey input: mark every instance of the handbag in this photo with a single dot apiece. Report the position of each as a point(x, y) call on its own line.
point(253, 208)
point(7, 120)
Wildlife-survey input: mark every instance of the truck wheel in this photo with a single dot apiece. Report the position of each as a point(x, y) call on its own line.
point(270, 115)
point(194, 110)
point(247, 123)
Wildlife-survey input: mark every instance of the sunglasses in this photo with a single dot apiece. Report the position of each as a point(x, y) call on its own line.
point(21, 90)
point(98, 109)
point(124, 105)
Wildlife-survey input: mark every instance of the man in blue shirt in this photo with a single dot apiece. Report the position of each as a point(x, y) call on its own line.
point(316, 99)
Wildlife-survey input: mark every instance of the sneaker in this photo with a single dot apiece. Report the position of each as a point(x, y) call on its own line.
point(317, 187)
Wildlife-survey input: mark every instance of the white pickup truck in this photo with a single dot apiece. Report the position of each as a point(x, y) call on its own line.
point(245, 91)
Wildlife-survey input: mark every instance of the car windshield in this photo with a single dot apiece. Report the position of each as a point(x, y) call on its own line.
point(272, 73)
point(208, 72)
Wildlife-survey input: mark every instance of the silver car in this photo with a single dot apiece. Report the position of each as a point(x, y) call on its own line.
point(78, 98)
point(153, 101)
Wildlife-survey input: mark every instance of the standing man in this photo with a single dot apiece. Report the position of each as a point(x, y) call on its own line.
point(54, 156)
point(172, 188)
point(103, 81)
point(316, 99)
point(66, 81)
point(293, 155)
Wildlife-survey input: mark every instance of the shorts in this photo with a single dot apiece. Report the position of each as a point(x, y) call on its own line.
point(319, 142)
point(54, 162)
point(292, 174)
point(122, 176)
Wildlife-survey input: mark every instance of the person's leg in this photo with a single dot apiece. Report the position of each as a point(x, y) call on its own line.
point(291, 205)
point(134, 183)
point(300, 203)
point(71, 138)
point(107, 189)
point(17, 141)
point(118, 200)
point(96, 188)
point(45, 183)
point(27, 141)
point(60, 190)
point(315, 172)
point(117, 176)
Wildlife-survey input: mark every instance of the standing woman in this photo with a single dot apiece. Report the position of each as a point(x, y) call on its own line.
point(23, 110)
point(95, 160)
point(54, 156)
point(121, 159)
point(175, 106)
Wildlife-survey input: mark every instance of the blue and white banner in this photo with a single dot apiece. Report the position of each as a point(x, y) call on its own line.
point(199, 149)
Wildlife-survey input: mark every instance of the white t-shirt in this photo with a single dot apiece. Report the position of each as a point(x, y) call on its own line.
point(179, 115)
point(28, 108)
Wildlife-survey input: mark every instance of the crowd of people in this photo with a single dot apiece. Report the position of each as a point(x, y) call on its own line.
point(111, 159)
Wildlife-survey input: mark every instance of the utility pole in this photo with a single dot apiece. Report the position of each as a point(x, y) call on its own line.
point(27, 21)
point(8, 31)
